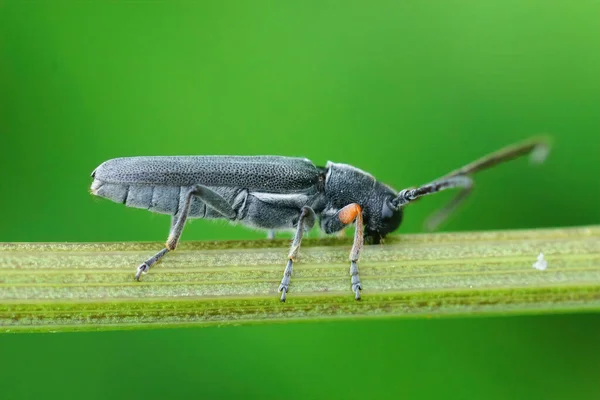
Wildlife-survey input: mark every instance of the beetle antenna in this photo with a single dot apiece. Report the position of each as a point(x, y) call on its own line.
point(538, 148)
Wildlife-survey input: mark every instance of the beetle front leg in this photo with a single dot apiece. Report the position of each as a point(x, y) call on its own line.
point(338, 221)
point(306, 219)
point(353, 212)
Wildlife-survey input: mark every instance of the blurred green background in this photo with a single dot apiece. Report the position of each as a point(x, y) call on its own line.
point(405, 90)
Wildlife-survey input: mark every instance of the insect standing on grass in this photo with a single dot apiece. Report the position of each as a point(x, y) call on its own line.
point(274, 192)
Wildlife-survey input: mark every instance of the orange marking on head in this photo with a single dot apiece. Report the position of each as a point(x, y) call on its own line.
point(349, 213)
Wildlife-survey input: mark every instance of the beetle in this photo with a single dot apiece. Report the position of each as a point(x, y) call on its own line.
point(276, 192)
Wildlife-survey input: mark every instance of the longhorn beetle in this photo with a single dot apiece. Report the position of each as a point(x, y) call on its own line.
point(274, 192)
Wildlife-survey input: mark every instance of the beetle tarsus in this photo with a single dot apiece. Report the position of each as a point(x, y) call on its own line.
point(145, 267)
point(285, 281)
point(356, 289)
point(142, 269)
point(283, 291)
point(355, 279)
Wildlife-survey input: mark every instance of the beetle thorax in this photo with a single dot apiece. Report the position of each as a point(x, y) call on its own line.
point(345, 184)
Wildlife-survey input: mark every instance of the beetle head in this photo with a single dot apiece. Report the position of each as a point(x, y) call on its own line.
point(383, 216)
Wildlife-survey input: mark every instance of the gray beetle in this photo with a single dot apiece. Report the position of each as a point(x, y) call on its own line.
point(274, 192)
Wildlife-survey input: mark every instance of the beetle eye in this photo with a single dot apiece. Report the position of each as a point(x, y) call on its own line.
point(387, 210)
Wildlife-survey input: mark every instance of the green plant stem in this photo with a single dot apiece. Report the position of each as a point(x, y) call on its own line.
point(90, 286)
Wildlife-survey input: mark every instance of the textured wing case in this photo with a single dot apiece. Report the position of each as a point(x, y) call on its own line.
point(274, 174)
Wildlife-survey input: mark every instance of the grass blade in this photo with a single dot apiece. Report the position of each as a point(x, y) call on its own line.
point(90, 286)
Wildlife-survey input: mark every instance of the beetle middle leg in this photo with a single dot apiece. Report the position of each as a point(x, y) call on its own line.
point(208, 196)
point(306, 220)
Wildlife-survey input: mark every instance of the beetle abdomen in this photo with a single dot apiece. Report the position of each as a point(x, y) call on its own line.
point(160, 199)
point(166, 199)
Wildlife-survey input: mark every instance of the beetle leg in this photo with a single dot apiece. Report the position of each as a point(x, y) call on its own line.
point(211, 198)
point(353, 212)
point(335, 221)
point(306, 219)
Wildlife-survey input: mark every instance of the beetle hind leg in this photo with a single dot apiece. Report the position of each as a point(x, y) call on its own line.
point(211, 198)
point(306, 220)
